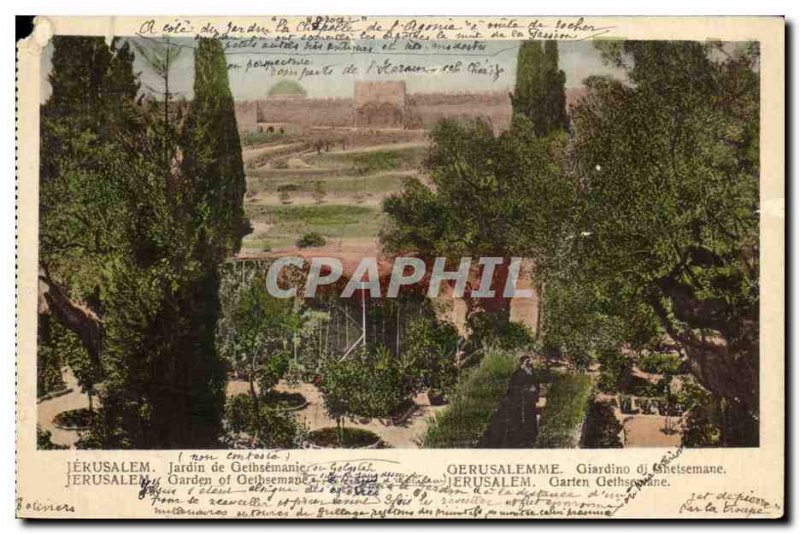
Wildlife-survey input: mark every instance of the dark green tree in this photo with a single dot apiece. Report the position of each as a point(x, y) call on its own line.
point(498, 196)
point(539, 92)
point(256, 335)
point(212, 156)
point(131, 248)
point(431, 346)
point(669, 208)
point(84, 181)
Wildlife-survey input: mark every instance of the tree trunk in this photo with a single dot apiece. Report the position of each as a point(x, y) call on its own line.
point(252, 380)
point(77, 317)
point(539, 311)
point(724, 365)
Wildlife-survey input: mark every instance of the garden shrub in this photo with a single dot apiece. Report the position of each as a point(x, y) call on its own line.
point(261, 425)
point(344, 438)
point(44, 440)
point(567, 401)
point(472, 404)
point(366, 385)
point(615, 371)
point(78, 418)
point(603, 428)
point(311, 239)
point(497, 331)
point(641, 387)
point(660, 363)
point(319, 191)
point(431, 346)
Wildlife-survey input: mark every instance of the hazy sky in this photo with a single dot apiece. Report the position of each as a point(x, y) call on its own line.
point(577, 59)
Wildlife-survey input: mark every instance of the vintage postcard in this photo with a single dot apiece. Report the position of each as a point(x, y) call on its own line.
point(395, 268)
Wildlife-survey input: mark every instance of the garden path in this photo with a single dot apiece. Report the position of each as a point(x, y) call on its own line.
point(48, 409)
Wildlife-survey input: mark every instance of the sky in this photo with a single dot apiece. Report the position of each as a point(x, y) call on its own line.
point(498, 60)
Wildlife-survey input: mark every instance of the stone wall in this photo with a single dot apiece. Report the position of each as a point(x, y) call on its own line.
point(307, 112)
point(246, 115)
point(424, 110)
point(393, 93)
point(377, 105)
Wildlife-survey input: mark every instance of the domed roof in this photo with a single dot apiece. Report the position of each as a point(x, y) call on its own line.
point(287, 88)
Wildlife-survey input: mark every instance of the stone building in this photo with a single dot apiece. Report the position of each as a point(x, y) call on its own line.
point(380, 104)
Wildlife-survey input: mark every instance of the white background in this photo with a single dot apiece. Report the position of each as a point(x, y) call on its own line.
point(305, 7)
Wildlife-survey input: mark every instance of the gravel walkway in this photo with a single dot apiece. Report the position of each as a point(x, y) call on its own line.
point(47, 410)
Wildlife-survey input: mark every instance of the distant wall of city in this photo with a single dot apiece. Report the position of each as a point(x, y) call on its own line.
point(303, 111)
point(375, 105)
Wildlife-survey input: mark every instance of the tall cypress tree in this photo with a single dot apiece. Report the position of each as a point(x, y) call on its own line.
point(539, 92)
point(528, 89)
point(180, 379)
point(212, 159)
point(187, 375)
point(555, 96)
point(92, 83)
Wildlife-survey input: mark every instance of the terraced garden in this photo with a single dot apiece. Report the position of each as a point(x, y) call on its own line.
point(297, 186)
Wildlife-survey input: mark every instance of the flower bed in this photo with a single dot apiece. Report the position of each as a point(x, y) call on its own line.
point(79, 419)
point(352, 438)
point(54, 394)
point(472, 404)
point(287, 402)
point(567, 402)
